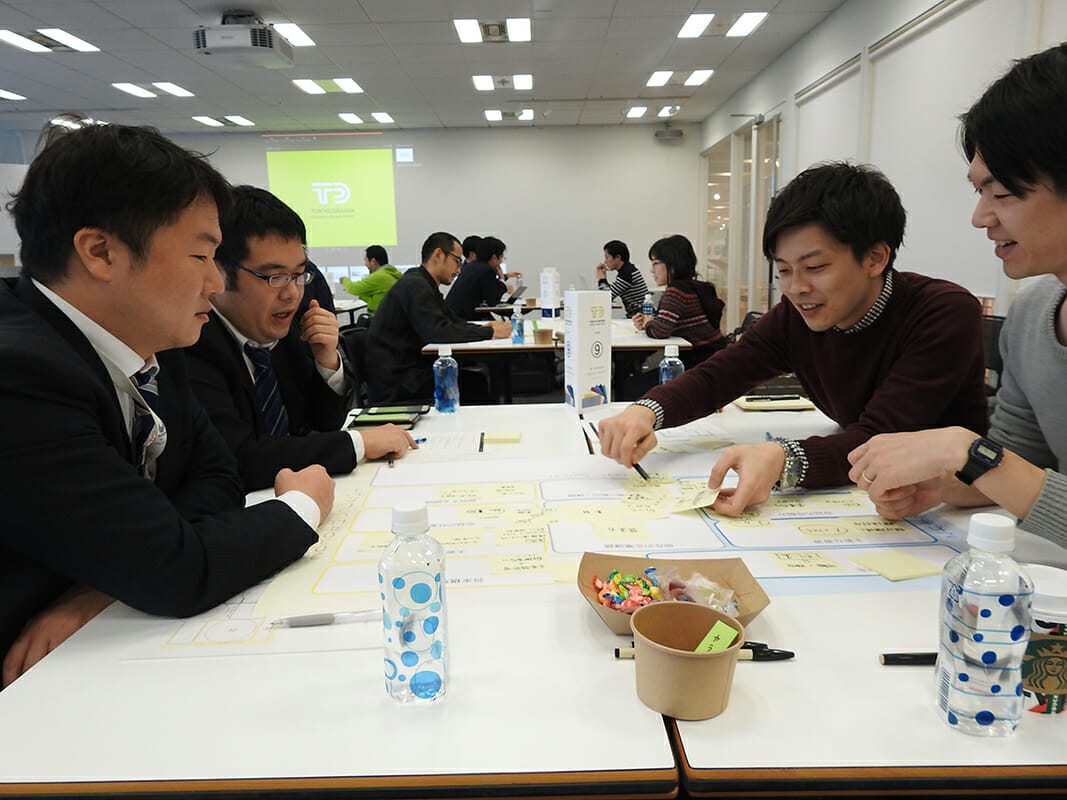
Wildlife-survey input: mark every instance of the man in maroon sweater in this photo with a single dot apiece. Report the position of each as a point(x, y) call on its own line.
point(875, 349)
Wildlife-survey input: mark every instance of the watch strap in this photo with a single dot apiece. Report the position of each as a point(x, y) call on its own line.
point(982, 456)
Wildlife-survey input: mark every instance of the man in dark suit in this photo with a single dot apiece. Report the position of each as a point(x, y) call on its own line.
point(114, 483)
point(481, 283)
point(264, 266)
point(412, 315)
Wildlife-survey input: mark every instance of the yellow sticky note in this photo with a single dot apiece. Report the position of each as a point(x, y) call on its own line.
point(503, 437)
point(838, 502)
point(701, 497)
point(458, 494)
point(520, 534)
point(482, 513)
point(718, 638)
point(374, 542)
point(453, 538)
point(878, 526)
point(897, 565)
point(622, 532)
point(514, 563)
point(747, 519)
point(804, 562)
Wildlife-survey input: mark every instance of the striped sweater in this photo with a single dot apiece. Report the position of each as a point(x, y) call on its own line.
point(629, 286)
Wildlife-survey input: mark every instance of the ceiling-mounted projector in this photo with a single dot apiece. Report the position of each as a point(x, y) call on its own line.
point(669, 134)
point(242, 45)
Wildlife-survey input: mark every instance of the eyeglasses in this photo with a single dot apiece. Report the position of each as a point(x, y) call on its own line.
point(279, 280)
point(459, 259)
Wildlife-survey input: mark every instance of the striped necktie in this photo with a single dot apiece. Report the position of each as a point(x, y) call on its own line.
point(149, 432)
point(275, 420)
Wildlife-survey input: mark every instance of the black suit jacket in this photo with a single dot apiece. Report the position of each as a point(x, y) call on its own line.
point(477, 285)
point(75, 509)
point(224, 386)
point(411, 315)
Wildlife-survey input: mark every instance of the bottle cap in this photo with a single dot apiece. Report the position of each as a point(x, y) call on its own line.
point(1050, 593)
point(671, 350)
point(444, 350)
point(409, 518)
point(992, 532)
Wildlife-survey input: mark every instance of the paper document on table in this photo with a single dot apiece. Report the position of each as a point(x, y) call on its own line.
point(457, 443)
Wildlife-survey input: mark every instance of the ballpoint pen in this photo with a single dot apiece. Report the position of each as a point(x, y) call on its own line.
point(641, 471)
point(335, 618)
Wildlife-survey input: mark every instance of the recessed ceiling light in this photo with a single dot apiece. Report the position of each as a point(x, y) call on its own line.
point(211, 122)
point(668, 111)
point(493, 114)
point(519, 29)
point(659, 77)
point(134, 89)
point(21, 41)
point(483, 83)
point(348, 85)
point(698, 77)
point(695, 26)
point(293, 34)
point(470, 32)
point(308, 85)
point(747, 23)
point(350, 118)
point(636, 112)
point(522, 83)
point(237, 119)
point(525, 115)
point(6, 95)
point(172, 88)
point(382, 117)
point(69, 39)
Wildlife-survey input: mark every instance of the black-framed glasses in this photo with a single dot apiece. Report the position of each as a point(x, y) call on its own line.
point(459, 259)
point(279, 280)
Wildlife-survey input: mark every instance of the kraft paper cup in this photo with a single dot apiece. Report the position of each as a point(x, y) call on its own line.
point(671, 678)
point(531, 302)
point(543, 336)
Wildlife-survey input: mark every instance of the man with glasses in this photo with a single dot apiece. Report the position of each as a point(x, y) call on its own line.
point(276, 386)
point(412, 315)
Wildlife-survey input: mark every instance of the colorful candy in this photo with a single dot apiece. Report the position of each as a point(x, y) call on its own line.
point(627, 592)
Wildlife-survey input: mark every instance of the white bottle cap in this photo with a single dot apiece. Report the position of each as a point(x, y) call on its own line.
point(671, 350)
point(992, 532)
point(444, 350)
point(409, 518)
point(1050, 593)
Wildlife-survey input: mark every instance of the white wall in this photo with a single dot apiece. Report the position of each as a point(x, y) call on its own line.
point(554, 195)
point(917, 66)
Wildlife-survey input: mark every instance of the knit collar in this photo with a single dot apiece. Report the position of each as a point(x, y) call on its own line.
point(875, 311)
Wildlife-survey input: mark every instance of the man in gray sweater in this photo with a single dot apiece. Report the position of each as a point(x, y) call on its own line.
point(1013, 138)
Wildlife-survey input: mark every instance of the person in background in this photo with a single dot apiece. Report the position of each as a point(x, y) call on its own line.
point(276, 387)
point(470, 250)
point(382, 276)
point(480, 283)
point(690, 308)
point(1012, 137)
point(412, 315)
point(629, 286)
point(876, 350)
point(114, 482)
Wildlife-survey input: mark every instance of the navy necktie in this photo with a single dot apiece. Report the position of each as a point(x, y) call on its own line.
point(149, 432)
point(275, 420)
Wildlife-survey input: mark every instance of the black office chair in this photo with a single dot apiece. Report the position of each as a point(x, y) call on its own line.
point(750, 319)
point(353, 345)
point(994, 364)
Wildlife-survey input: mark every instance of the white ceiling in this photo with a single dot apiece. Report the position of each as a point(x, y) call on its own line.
point(590, 60)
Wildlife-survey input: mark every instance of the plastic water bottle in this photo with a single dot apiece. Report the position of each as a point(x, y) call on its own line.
point(411, 579)
point(446, 382)
point(670, 367)
point(646, 307)
point(985, 627)
point(518, 335)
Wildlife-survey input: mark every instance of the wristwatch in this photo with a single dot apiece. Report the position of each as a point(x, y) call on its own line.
point(983, 455)
point(796, 464)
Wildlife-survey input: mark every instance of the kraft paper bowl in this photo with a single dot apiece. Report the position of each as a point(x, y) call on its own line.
point(671, 678)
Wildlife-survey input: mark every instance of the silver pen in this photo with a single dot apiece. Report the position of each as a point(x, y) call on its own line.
point(336, 618)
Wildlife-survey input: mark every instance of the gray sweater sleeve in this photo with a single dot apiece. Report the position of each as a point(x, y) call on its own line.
point(1049, 512)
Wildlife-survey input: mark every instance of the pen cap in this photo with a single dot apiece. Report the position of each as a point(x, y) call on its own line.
point(991, 532)
point(410, 519)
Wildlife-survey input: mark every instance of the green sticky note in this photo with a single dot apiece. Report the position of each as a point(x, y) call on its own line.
point(718, 638)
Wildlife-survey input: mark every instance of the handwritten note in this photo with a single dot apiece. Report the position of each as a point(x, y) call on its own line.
point(805, 562)
point(518, 563)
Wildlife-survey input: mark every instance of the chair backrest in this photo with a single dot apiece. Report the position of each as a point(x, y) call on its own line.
point(354, 345)
point(994, 364)
point(750, 319)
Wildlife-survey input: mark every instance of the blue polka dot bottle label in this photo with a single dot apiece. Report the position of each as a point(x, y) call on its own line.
point(984, 631)
point(414, 634)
